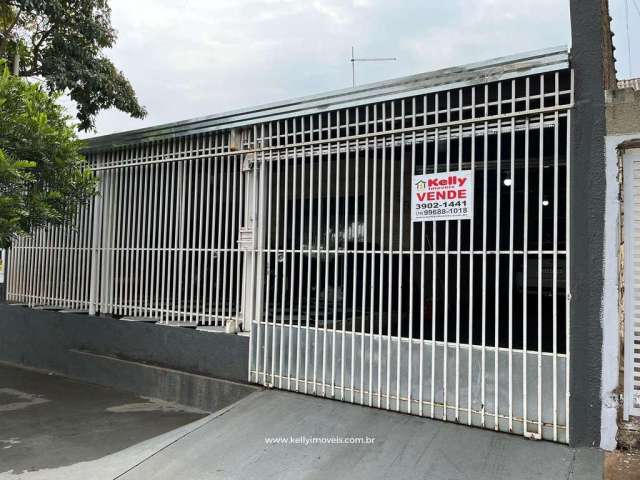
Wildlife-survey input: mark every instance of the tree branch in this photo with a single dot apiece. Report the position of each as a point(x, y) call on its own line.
point(4, 41)
point(36, 48)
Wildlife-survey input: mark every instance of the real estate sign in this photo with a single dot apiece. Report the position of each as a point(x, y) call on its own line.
point(442, 196)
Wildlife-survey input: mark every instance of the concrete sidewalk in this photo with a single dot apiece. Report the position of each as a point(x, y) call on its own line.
point(252, 439)
point(235, 445)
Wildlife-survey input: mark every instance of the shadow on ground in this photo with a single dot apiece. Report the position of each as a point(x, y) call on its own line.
point(47, 421)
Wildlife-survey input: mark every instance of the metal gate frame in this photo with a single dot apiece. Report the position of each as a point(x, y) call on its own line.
point(299, 355)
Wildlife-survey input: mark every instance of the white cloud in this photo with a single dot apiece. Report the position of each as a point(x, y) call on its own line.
point(194, 58)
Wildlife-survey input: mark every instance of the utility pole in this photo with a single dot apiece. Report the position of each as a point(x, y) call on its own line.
point(353, 61)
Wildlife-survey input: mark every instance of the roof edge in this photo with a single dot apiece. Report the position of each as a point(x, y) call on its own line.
point(537, 61)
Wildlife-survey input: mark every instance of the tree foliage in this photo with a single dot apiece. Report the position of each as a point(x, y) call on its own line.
point(44, 178)
point(61, 41)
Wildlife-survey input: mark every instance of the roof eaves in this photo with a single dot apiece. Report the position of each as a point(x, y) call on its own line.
point(454, 77)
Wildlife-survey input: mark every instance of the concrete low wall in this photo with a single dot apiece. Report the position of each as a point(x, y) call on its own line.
point(44, 339)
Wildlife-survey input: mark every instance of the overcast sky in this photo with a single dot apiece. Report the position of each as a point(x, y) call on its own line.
point(198, 57)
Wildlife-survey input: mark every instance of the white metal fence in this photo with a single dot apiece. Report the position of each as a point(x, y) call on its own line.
point(52, 267)
point(299, 229)
point(159, 240)
point(458, 320)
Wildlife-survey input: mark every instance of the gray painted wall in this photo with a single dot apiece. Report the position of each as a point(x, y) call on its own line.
point(587, 222)
point(46, 340)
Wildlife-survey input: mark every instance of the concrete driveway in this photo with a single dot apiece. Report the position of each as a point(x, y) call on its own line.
point(71, 430)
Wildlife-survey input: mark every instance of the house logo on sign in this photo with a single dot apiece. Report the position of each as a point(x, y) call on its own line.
point(421, 185)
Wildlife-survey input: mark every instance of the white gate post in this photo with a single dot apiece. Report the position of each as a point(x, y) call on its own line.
point(96, 243)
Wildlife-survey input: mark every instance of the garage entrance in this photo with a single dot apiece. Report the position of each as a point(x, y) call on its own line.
point(461, 320)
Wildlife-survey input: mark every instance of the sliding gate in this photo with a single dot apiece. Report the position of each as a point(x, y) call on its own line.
point(460, 320)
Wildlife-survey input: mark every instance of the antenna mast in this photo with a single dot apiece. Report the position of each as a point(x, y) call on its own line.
point(353, 61)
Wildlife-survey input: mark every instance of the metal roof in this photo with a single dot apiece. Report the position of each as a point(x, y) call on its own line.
point(501, 68)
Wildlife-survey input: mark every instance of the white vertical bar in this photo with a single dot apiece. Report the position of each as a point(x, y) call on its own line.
point(484, 255)
point(196, 230)
point(374, 214)
point(187, 247)
point(390, 254)
point(347, 175)
point(300, 262)
point(400, 252)
point(325, 315)
point(239, 214)
point(208, 253)
point(276, 252)
point(445, 362)
point(555, 266)
point(253, 253)
point(411, 272)
point(161, 237)
point(285, 253)
point(269, 230)
point(336, 259)
point(132, 189)
point(472, 251)
point(318, 217)
point(167, 218)
point(141, 233)
point(525, 265)
point(152, 234)
point(174, 220)
point(147, 215)
point(185, 235)
point(434, 268)
point(95, 245)
point(372, 282)
point(383, 205)
point(226, 296)
point(423, 267)
point(496, 358)
point(355, 256)
point(512, 189)
point(364, 262)
point(112, 219)
point(118, 213)
point(540, 246)
point(260, 226)
point(458, 245)
point(291, 156)
point(214, 220)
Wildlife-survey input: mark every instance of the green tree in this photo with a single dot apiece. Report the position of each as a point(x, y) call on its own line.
point(44, 178)
point(61, 41)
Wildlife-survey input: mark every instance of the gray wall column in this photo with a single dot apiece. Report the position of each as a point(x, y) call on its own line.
point(587, 221)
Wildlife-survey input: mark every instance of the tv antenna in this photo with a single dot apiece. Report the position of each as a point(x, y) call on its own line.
point(353, 61)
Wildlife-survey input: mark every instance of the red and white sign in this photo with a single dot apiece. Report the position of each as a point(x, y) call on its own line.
point(442, 196)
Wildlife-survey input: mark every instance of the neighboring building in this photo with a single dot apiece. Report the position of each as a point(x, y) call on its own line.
point(292, 223)
point(621, 369)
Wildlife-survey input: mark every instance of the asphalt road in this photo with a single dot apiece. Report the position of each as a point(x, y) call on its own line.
point(51, 422)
